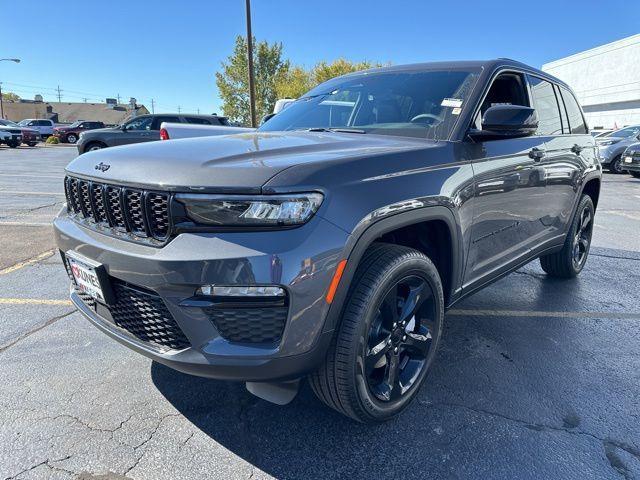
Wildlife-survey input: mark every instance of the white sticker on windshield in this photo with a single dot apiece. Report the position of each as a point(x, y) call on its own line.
point(456, 111)
point(451, 102)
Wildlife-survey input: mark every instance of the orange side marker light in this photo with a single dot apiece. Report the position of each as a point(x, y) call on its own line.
point(335, 281)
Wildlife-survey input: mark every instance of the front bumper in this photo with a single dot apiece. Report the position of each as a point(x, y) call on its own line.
point(633, 165)
point(301, 260)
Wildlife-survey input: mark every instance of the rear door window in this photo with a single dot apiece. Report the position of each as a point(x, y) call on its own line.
point(546, 106)
point(197, 121)
point(157, 121)
point(576, 120)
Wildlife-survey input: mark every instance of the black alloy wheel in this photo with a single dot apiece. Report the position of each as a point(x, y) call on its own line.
point(387, 338)
point(582, 238)
point(400, 338)
point(571, 259)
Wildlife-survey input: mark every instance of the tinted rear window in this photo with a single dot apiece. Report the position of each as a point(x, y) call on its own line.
point(576, 120)
point(199, 121)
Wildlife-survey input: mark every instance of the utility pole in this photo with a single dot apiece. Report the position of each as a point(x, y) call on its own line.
point(153, 106)
point(85, 100)
point(178, 108)
point(118, 97)
point(198, 111)
point(252, 88)
point(59, 94)
point(1, 105)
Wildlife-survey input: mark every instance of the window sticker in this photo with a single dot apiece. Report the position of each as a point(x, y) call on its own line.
point(451, 102)
point(456, 111)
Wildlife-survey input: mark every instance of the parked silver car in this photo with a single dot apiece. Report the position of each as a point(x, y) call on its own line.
point(44, 126)
point(613, 144)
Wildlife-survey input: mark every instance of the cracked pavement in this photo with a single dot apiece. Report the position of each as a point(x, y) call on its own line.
point(525, 396)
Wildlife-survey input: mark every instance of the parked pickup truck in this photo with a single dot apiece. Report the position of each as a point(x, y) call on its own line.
point(329, 243)
point(174, 131)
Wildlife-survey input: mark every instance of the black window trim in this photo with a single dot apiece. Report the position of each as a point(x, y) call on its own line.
point(494, 76)
point(553, 86)
point(584, 120)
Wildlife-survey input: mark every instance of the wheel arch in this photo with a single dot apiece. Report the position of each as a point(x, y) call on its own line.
point(443, 229)
point(592, 188)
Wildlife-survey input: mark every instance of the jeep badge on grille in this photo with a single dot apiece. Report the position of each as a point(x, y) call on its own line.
point(103, 167)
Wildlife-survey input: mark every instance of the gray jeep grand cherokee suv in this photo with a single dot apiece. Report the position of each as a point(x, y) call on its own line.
point(330, 242)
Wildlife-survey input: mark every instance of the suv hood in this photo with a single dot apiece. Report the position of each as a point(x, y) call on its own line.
point(239, 163)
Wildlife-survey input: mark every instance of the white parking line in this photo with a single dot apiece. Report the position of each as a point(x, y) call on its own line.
point(26, 224)
point(44, 194)
point(29, 175)
point(540, 313)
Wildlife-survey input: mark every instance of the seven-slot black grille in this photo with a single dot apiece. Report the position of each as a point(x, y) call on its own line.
point(142, 214)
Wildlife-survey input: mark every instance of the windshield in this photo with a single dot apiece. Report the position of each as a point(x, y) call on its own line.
point(8, 123)
point(23, 123)
point(423, 104)
point(624, 133)
point(75, 124)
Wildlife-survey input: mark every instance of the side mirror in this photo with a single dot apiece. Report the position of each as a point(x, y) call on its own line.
point(267, 117)
point(123, 128)
point(507, 121)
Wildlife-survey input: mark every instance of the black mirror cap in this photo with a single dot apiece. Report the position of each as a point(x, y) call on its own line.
point(267, 117)
point(502, 121)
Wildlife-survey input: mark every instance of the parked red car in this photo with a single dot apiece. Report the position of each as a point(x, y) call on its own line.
point(29, 136)
point(71, 133)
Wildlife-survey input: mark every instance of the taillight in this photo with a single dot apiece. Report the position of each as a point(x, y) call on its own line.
point(164, 135)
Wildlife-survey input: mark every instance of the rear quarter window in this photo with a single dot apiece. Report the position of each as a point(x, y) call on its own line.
point(576, 120)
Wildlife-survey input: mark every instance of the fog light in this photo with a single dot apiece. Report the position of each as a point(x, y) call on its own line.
point(240, 291)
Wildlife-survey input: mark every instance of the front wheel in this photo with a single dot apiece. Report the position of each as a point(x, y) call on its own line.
point(616, 165)
point(13, 144)
point(388, 336)
point(32, 144)
point(570, 261)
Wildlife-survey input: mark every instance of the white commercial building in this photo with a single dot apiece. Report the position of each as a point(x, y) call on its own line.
point(606, 80)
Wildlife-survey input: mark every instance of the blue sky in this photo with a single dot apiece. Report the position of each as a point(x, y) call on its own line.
point(169, 50)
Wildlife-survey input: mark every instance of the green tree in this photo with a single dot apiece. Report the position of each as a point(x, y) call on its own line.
point(293, 83)
point(296, 81)
point(324, 71)
point(10, 96)
point(233, 81)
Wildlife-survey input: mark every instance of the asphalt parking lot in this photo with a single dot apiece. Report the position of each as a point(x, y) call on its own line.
point(536, 378)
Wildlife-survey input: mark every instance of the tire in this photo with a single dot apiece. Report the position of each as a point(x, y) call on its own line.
point(32, 144)
point(355, 378)
point(72, 138)
point(616, 165)
point(13, 144)
point(569, 262)
point(94, 146)
point(634, 173)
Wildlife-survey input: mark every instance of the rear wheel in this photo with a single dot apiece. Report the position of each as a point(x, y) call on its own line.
point(32, 144)
point(616, 165)
point(72, 138)
point(570, 261)
point(388, 336)
point(13, 144)
point(635, 174)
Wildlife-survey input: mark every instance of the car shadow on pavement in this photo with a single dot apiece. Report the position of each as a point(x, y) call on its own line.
point(505, 395)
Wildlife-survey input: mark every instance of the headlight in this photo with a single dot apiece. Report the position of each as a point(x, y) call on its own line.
point(250, 211)
point(608, 142)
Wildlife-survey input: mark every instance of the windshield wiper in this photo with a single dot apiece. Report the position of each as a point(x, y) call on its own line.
point(338, 130)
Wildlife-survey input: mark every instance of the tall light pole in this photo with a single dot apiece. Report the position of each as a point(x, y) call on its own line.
point(252, 88)
point(15, 60)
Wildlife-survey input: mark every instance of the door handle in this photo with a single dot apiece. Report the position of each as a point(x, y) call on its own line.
point(536, 153)
point(576, 149)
